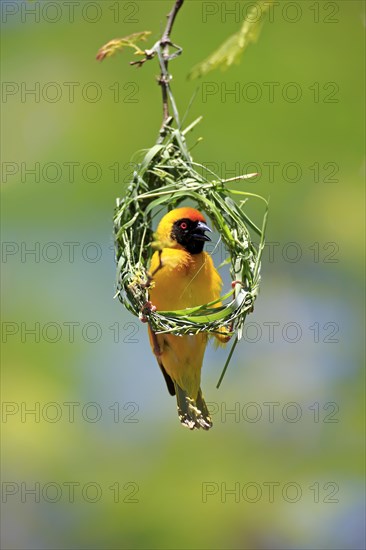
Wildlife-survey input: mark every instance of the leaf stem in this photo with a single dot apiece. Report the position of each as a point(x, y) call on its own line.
point(227, 362)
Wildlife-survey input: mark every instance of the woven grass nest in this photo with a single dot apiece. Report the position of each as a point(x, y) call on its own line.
point(165, 178)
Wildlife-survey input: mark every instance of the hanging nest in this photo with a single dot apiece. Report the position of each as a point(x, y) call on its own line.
point(166, 177)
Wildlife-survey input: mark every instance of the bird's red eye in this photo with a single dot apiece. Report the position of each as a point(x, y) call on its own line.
point(183, 225)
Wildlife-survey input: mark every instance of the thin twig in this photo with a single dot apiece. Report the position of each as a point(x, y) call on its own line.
point(171, 17)
point(165, 42)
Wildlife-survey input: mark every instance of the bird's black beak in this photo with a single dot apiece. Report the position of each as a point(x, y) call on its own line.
point(199, 232)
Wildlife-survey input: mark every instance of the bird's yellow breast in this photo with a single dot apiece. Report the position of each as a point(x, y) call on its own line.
point(182, 280)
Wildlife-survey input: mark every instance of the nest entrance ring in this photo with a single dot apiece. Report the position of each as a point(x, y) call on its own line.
point(166, 177)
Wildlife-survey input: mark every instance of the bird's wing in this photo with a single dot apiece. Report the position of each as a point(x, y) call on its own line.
point(168, 380)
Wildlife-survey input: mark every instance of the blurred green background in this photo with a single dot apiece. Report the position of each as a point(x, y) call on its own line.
point(285, 468)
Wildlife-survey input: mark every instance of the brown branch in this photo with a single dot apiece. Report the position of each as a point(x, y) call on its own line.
point(165, 39)
point(165, 42)
point(149, 54)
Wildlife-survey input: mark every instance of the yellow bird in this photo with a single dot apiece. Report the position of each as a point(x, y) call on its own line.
point(183, 276)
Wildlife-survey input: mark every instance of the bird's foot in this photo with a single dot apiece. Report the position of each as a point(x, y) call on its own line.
point(146, 308)
point(149, 280)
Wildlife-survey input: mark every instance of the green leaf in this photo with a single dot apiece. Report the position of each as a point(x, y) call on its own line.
point(232, 49)
point(117, 44)
point(148, 157)
point(227, 362)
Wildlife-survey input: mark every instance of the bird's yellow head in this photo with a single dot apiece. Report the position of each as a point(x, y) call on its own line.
point(182, 228)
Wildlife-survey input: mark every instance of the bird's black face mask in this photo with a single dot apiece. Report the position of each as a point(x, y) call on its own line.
point(190, 234)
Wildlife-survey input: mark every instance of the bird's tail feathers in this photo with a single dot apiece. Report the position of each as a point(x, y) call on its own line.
point(193, 413)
